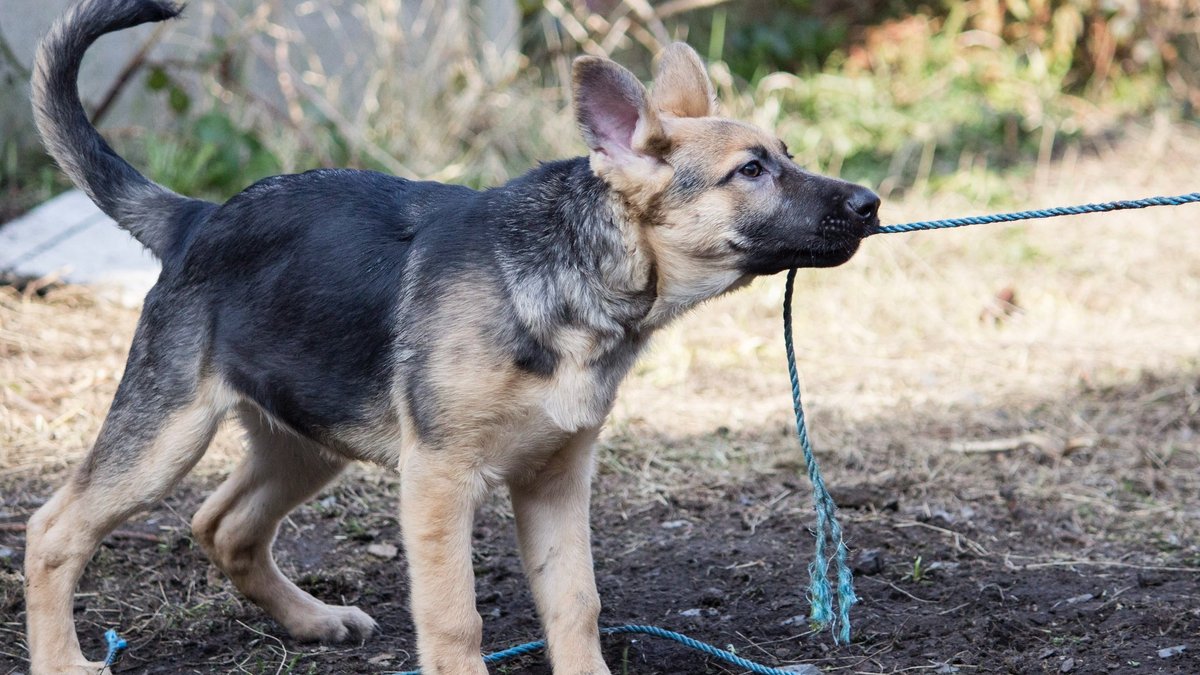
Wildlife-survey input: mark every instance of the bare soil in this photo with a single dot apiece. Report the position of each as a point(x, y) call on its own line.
point(957, 574)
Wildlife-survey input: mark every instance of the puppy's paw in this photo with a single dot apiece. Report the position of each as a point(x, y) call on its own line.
point(596, 667)
point(443, 665)
point(333, 625)
point(79, 667)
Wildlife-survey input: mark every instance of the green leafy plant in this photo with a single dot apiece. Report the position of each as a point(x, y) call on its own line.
point(208, 155)
point(918, 573)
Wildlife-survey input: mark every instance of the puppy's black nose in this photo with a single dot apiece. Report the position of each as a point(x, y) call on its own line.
point(862, 203)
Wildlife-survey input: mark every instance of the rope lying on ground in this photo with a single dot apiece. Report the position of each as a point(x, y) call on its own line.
point(829, 532)
point(730, 657)
point(115, 646)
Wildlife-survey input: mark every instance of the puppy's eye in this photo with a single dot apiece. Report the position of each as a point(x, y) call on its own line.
point(751, 169)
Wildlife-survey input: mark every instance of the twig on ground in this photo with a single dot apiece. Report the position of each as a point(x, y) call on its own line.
point(283, 660)
point(896, 588)
point(118, 534)
point(998, 445)
point(959, 539)
point(1099, 563)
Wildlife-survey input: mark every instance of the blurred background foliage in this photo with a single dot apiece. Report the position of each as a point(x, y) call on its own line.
point(899, 94)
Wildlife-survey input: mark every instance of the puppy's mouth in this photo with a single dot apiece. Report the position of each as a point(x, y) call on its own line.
point(830, 249)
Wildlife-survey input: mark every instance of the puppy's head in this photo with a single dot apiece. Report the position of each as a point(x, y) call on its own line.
point(721, 200)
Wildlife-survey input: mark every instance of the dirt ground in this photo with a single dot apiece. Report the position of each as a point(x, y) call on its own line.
point(971, 582)
point(1009, 418)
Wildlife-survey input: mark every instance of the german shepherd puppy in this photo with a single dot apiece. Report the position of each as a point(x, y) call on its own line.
point(466, 339)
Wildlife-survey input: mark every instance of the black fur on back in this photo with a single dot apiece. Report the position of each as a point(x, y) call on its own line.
point(316, 287)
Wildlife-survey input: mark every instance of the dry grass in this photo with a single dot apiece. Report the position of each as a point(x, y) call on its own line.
point(898, 366)
point(61, 358)
point(469, 118)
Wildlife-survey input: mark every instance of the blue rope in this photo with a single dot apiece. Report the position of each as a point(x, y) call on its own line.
point(727, 656)
point(821, 595)
point(820, 592)
point(1054, 212)
point(116, 644)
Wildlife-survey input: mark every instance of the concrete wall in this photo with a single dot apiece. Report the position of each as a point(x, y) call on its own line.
point(23, 22)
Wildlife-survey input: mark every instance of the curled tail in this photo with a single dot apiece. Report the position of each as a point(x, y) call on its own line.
point(154, 215)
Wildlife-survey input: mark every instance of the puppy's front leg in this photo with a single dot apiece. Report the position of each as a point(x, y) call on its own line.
point(552, 525)
point(438, 496)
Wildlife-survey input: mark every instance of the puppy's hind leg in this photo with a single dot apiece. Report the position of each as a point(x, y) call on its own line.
point(238, 523)
point(160, 423)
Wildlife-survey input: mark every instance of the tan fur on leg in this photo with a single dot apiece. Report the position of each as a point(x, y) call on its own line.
point(64, 533)
point(438, 496)
point(552, 526)
point(52, 568)
point(238, 523)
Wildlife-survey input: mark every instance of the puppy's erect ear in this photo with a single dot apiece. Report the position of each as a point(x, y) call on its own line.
point(613, 114)
point(681, 86)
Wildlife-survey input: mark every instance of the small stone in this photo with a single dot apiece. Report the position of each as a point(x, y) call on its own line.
point(1148, 579)
point(712, 597)
point(385, 551)
point(5, 552)
point(938, 516)
point(1171, 651)
point(864, 496)
point(868, 562)
point(694, 612)
point(802, 668)
point(946, 669)
point(674, 524)
point(1067, 666)
point(798, 620)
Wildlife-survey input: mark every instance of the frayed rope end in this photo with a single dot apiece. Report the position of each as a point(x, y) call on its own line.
point(116, 645)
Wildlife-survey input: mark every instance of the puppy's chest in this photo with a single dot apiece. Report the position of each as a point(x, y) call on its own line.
point(467, 394)
point(580, 391)
point(539, 416)
point(574, 397)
